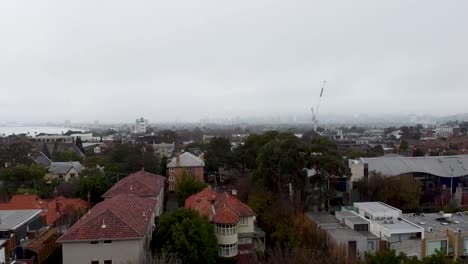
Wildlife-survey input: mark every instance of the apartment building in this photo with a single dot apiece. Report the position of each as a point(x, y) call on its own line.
point(184, 163)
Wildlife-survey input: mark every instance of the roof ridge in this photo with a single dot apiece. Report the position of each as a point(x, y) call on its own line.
point(128, 225)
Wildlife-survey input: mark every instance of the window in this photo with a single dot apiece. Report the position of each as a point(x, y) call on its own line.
point(107, 261)
point(171, 178)
point(60, 176)
point(226, 230)
point(171, 169)
point(72, 175)
point(107, 241)
point(244, 221)
point(188, 168)
point(433, 246)
point(370, 245)
point(228, 250)
point(94, 261)
point(94, 242)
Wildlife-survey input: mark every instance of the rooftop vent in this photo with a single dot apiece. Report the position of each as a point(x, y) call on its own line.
point(421, 214)
point(413, 214)
point(429, 229)
point(456, 222)
point(459, 230)
point(422, 223)
point(459, 213)
point(441, 212)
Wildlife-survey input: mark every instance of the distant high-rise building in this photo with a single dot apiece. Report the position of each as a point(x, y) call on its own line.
point(140, 125)
point(67, 123)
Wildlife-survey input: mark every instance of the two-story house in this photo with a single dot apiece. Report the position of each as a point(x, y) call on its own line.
point(234, 222)
point(143, 184)
point(184, 163)
point(116, 230)
point(64, 170)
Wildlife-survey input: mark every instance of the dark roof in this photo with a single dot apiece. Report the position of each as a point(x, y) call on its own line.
point(140, 183)
point(124, 216)
point(41, 159)
point(49, 148)
point(64, 167)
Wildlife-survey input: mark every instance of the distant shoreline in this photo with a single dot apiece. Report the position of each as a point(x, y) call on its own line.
point(34, 130)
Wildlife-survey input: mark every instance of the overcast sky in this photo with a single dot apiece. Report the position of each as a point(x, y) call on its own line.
point(166, 60)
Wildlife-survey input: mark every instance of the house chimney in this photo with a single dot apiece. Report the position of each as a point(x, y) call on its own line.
point(57, 206)
point(178, 160)
point(366, 171)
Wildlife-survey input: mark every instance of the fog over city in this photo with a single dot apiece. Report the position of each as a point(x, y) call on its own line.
point(186, 60)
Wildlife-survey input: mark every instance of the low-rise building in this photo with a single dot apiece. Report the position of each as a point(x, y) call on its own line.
point(184, 163)
point(53, 138)
point(349, 230)
point(143, 184)
point(16, 227)
point(447, 233)
point(234, 222)
point(65, 171)
point(387, 223)
point(116, 230)
point(59, 211)
point(164, 149)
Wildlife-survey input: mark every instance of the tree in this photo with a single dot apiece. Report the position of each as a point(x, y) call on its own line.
point(390, 257)
point(187, 235)
point(23, 178)
point(187, 185)
point(399, 191)
point(218, 153)
point(79, 144)
point(95, 183)
point(403, 145)
point(66, 156)
point(163, 165)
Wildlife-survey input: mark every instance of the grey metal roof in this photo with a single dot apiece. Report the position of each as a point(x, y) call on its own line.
point(442, 166)
point(187, 159)
point(64, 167)
point(434, 221)
point(12, 219)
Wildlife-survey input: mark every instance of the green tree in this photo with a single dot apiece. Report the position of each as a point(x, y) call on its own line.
point(403, 145)
point(66, 156)
point(218, 153)
point(399, 191)
point(187, 235)
point(187, 185)
point(163, 165)
point(95, 183)
point(22, 177)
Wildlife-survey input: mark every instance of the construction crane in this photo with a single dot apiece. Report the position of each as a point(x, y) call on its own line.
point(315, 112)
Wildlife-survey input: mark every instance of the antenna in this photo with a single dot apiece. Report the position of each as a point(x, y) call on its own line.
point(315, 112)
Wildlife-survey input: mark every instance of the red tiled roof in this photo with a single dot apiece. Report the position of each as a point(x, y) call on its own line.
point(141, 183)
point(224, 215)
point(221, 208)
point(123, 216)
point(29, 201)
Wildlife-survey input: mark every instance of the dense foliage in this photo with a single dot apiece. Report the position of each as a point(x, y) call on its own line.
point(187, 185)
point(401, 192)
point(187, 235)
point(95, 183)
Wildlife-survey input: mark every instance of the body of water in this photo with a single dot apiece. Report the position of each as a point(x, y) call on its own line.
point(33, 130)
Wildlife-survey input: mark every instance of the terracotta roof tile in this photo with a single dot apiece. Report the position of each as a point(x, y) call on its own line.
point(123, 216)
point(220, 208)
point(141, 183)
point(49, 207)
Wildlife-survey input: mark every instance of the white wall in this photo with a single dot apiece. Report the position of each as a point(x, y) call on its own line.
point(246, 228)
point(2, 255)
point(119, 251)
